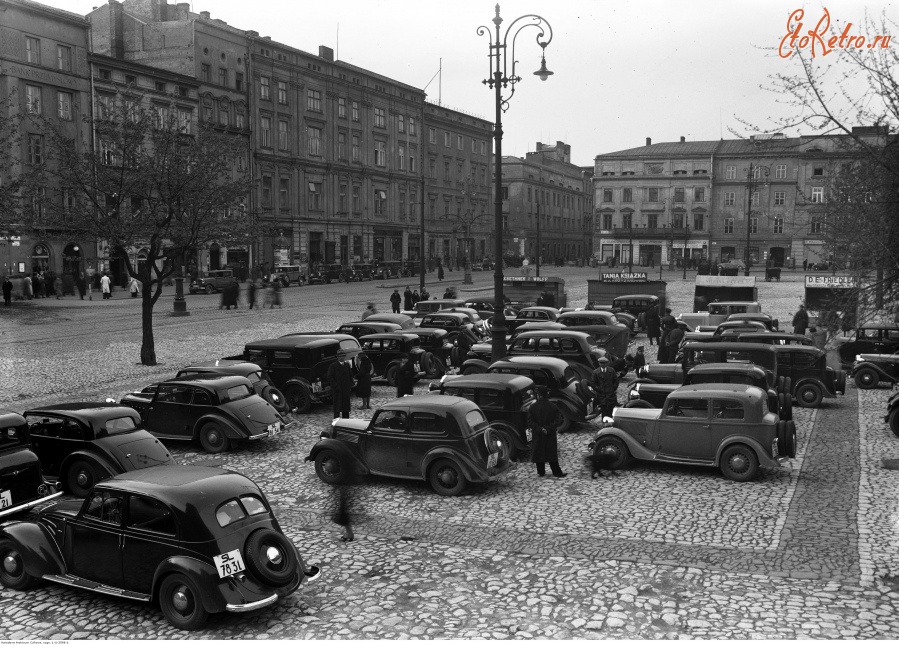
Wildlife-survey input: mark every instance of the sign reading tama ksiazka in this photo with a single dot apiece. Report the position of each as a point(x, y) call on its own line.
point(623, 277)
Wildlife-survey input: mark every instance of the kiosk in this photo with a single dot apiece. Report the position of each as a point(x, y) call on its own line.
point(611, 285)
point(524, 290)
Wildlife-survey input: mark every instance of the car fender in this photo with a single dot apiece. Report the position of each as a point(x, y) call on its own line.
point(827, 388)
point(515, 433)
point(231, 430)
point(39, 550)
point(296, 380)
point(577, 411)
point(760, 451)
point(340, 447)
point(876, 368)
point(99, 461)
point(477, 362)
point(637, 450)
point(202, 574)
point(469, 470)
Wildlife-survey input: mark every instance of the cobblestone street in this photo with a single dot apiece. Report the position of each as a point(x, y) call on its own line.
point(654, 551)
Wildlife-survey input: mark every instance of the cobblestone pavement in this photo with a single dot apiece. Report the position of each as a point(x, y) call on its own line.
point(655, 551)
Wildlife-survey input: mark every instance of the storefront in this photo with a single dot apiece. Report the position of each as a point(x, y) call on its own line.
point(388, 243)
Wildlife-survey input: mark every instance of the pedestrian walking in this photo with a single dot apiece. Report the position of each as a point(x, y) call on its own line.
point(225, 298)
point(544, 419)
point(233, 290)
point(29, 293)
point(81, 283)
point(363, 382)
point(425, 294)
point(133, 287)
point(805, 265)
point(57, 286)
point(343, 499)
point(7, 291)
point(672, 343)
point(406, 377)
point(800, 321)
point(639, 359)
point(395, 300)
point(407, 299)
point(369, 310)
point(276, 294)
point(415, 297)
point(448, 294)
point(440, 272)
point(251, 293)
point(605, 380)
point(341, 379)
point(106, 286)
point(653, 326)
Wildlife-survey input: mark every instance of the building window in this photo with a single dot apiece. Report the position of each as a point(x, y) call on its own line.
point(64, 106)
point(341, 107)
point(315, 196)
point(432, 168)
point(411, 161)
point(402, 157)
point(780, 197)
point(265, 88)
point(315, 142)
point(283, 135)
point(356, 155)
point(400, 123)
point(341, 198)
point(355, 110)
point(729, 199)
point(484, 148)
point(380, 153)
point(107, 153)
point(35, 148)
point(33, 99)
point(402, 206)
point(678, 195)
point(730, 172)
point(266, 132)
point(728, 224)
point(162, 116)
point(241, 162)
point(380, 202)
point(32, 50)
point(341, 145)
point(607, 195)
point(432, 135)
point(459, 142)
point(698, 221)
point(357, 198)
point(184, 119)
point(626, 220)
point(817, 225)
point(756, 172)
point(223, 77)
point(447, 175)
point(238, 81)
point(314, 100)
point(653, 194)
point(818, 171)
point(284, 193)
point(627, 195)
point(380, 118)
point(64, 58)
point(460, 171)
point(753, 224)
point(699, 194)
point(204, 72)
point(239, 120)
point(224, 114)
point(754, 199)
point(411, 126)
point(607, 221)
point(474, 147)
point(818, 195)
point(778, 224)
point(780, 171)
point(446, 139)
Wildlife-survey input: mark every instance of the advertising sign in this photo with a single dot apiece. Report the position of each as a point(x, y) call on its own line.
point(623, 277)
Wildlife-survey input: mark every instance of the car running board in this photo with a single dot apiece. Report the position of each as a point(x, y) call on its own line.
point(82, 583)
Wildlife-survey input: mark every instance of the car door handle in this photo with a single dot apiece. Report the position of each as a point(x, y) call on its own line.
point(369, 432)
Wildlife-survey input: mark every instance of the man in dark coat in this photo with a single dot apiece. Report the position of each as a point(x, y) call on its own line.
point(395, 300)
point(800, 321)
point(543, 419)
point(672, 343)
point(341, 379)
point(363, 382)
point(549, 300)
point(7, 291)
point(440, 272)
point(606, 382)
point(653, 325)
point(407, 299)
point(406, 377)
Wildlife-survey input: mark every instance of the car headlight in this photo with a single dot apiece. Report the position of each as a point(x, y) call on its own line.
point(607, 421)
point(858, 358)
point(633, 394)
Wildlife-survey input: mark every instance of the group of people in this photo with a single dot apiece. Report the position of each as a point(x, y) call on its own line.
point(666, 333)
point(408, 299)
point(344, 384)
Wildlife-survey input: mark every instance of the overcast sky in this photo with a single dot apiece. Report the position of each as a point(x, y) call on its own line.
point(623, 70)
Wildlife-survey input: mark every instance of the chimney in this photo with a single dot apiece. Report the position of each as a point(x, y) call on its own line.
point(326, 52)
point(253, 33)
point(648, 141)
point(182, 12)
point(682, 139)
point(204, 15)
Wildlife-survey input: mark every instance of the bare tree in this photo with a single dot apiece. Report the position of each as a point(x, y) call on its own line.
point(149, 180)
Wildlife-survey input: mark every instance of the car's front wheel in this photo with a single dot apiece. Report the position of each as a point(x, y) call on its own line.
point(80, 478)
point(446, 478)
point(739, 463)
point(299, 399)
point(12, 567)
point(330, 467)
point(433, 366)
point(271, 558)
point(390, 375)
point(867, 379)
point(809, 395)
point(213, 438)
point(180, 603)
point(611, 453)
point(894, 421)
point(210, 290)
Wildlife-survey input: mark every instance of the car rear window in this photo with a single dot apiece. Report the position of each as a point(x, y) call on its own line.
point(254, 377)
point(474, 421)
point(728, 410)
point(120, 424)
point(237, 392)
point(689, 408)
point(234, 510)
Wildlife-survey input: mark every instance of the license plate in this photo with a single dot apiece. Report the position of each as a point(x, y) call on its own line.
point(528, 434)
point(316, 387)
point(229, 563)
point(274, 429)
point(5, 499)
point(491, 460)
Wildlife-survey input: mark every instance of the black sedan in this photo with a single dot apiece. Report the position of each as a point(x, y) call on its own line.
point(387, 351)
point(262, 382)
point(21, 484)
point(218, 411)
point(80, 444)
point(194, 540)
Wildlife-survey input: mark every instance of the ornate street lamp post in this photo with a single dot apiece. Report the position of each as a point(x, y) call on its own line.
point(499, 78)
point(752, 182)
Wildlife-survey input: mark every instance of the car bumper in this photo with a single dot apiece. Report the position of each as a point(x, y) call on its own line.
point(252, 606)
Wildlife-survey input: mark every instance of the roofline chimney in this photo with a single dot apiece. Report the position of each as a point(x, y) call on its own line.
point(648, 141)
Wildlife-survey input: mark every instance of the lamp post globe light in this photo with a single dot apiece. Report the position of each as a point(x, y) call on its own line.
point(753, 175)
point(500, 77)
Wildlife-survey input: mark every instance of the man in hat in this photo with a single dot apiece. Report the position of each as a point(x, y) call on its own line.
point(605, 380)
point(395, 300)
point(800, 321)
point(543, 419)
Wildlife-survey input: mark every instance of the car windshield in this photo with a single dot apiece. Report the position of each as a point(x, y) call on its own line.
point(237, 392)
point(591, 341)
point(475, 421)
point(349, 345)
point(254, 377)
point(568, 376)
point(119, 425)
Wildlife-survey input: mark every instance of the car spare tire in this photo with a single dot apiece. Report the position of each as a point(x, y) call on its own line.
point(791, 439)
point(781, 434)
point(276, 399)
point(270, 557)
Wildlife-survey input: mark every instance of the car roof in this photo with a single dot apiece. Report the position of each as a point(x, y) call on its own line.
point(398, 318)
point(212, 366)
point(712, 389)
point(595, 313)
point(459, 315)
point(750, 315)
point(754, 324)
point(427, 331)
point(883, 325)
point(429, 400)
point(492, 381)
point(774, 335)
point(10, 419)
point(213, 381)
point(729, 345)
point(539, 308)
point(612, 330)
point(808, 349)
point(734, 302)
point(539, 362)
point(180, 485)
point(93, 414)
point(556, 333)
point(731, 368)
point(450, 300)
point(636, 295)
point(291, 342)
point(398, 335)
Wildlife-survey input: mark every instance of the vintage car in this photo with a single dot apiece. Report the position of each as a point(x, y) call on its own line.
point(697, 353)
point(869, 370)
point(424, 307)
point(485, 306)
point(566, 389)
point(870, 338)
point(364, 328)
point(532, 314)
point(892, 415)
point(722, 425)
point(387, 270)
point(360, 272)
point(480, 326)
point(774, 338)
point(196, 540)
point(653, 395)
point(217, 411)
point(770, 323)
point(503, 398)
point(731, 267)
point(387, 351)
point(288, 274)
point(636, 304)
point(404, 321)
point(411, 268)
point(80, 444)
point(349, 347)
point(444, 440)
point(298, 366)
point(716, 313)
point(437, 349)
point(328, 273)
point(213, 281)
point(21, 485)
point(453, 322)
point(262, 383)
point(812, 379)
